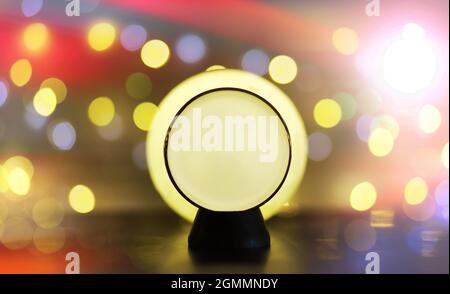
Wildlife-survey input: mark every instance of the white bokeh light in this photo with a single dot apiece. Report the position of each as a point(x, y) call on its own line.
point(409, 64)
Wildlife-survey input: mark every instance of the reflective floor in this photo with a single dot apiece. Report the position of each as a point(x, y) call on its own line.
point(157, 243)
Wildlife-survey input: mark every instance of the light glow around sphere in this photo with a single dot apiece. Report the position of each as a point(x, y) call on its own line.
point(44, 101)
point(283, 69)
point(429, 119)
point(155, 53)
point(20, 72)
point(101, 36)
point(409, 65)
point(35, 36)
point(82, 199)
point(202, 83)
point(363, 196)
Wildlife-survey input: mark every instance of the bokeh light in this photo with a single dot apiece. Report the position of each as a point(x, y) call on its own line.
point(49, 240)
point(33, 119)
point(3, 92)
point(20, 72)
point(319, 146)
point(409, 64)
point(101, 111)
point(441, 193)
point(44, 101)
point(4, 210)
point(133, 37)
point(190, 48)
point(215, 67)
point(429, 119)
point(327, 113)
point(348, 105)
point(62, 135)
point(48, 213)
point(416, 190)
point(138, 85)
point(345, 41)
point(363, 196)
point(31, 7)
point(382, 218)
point(381, 142)
point(363, 127)
point(101, 36)
point(420, 212)
point(17, 233)
point(255, 61)
point(112, 131)
point(57, 86)
point(143, 115)
point(3, 180)
point(18, 181)
point(35, 36)
point(360, 236)
point(21, 162)
point(444, 155)
point(155, 53)
point(82, 199)
point(386, 122)
point(282, 69)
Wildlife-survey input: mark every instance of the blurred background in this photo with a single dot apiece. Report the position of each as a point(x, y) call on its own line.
point(78, 92)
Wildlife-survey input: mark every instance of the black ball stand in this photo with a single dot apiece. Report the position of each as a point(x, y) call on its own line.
point(217, 235)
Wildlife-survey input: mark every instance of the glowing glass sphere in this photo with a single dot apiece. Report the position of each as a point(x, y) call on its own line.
point(363, 196)
point(101, 36)
point(345, 40)
point(101, 111)
point(81, 199)
point(209, 85)
point(283, 69)
point(155, 53)
point(20, 72)
point(327, 113)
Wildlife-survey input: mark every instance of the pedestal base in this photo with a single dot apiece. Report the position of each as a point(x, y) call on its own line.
point(229, 235)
